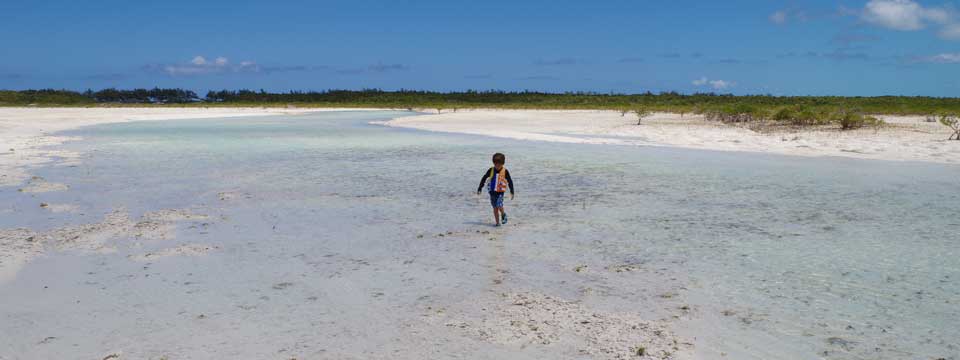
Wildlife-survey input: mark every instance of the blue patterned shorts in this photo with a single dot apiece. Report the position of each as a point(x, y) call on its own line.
point(496, 199)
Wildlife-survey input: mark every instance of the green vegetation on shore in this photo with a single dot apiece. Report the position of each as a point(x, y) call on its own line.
point(800, 108)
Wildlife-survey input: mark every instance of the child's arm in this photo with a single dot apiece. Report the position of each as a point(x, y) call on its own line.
point(510, 183)
point(483, 181)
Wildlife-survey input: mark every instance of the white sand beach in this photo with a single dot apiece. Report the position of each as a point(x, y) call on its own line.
point(908, 138)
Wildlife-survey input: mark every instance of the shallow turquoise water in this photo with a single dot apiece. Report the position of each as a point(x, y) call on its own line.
point(775, 257)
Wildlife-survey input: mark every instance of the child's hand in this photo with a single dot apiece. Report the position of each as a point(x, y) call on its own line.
point(511, 196)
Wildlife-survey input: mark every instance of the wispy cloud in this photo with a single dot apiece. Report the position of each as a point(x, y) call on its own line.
point(784, 16)
point(631, 59)
point(779, 17)
point(720, 84)
point(716, 84)
point(350, 71)
point(678, 55)
point(950, 31)
point(375, 68)
point(537, 77)
point(200, 65)
point(794, 54)
point(839, 54)
point(842, 55)
point(380, 67)
point(556, 62)
point(108, 77)
point(945, 58)
point(846, 39)
point(292, 68)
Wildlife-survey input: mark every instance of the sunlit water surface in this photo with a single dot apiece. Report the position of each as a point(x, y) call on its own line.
point(748, 255)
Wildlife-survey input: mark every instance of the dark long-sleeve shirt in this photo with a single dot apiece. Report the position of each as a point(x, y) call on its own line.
point(490, 171)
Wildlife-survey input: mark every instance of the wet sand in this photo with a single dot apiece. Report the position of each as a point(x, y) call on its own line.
point(302, 237)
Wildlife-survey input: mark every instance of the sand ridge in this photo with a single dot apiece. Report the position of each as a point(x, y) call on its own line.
point(18, 246)
point(905, 138)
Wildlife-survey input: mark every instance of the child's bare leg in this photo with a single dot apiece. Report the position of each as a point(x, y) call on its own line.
point(496, 215)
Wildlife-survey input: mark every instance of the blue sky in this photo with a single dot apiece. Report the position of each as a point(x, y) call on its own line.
point(865, 47)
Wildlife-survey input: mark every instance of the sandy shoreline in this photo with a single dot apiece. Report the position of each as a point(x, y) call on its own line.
point(24, 130)
point(905, 138)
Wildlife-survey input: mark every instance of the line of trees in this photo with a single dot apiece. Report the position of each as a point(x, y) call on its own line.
point(143, 96)
point(666, 101)
point(105, 96)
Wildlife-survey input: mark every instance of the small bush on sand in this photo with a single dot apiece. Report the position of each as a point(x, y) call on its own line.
point(800, 116)
point(855, 119)
point(953, 122)
point(641, 113)
point(850, 120)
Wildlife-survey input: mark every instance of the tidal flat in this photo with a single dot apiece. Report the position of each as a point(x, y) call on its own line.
point(327, 235)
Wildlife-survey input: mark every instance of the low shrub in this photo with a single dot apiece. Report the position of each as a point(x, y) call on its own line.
point(784, 114)
point(850, 121)
point(641, 113)
point(807, 117)
point(736, 113)
point(952, 122)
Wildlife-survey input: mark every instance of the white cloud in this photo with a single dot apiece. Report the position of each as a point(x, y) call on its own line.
point(903, 15)
point(174, 70)
point(781, 17)
point(946, 58)
point(245, 66)
point(720, 84)
point(778, 17)
point(199, 65)
point(715, 84)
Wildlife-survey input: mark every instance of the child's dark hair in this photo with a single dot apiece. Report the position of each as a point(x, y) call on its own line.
point(499, 158)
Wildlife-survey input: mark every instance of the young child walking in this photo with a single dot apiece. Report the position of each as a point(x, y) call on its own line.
point(499, 182)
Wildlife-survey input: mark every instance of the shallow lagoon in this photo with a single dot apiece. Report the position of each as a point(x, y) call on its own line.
point(328, 234)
